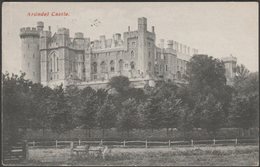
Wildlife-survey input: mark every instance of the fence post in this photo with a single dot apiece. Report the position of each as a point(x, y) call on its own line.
point(79, 142)
point(169, 143)
point(71, 148)
point(33, 143)
point(26, 150)
point(56, 144)
point(101, 142)
point(191, 142)
point(124, 143)
point(145, 143)
point(214, 141)
point(236, 141)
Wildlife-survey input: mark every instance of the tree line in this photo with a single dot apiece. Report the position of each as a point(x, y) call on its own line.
point(206, 102)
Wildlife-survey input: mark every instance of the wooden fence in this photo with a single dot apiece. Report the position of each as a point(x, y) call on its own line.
point(143, 143)
point(14, 153)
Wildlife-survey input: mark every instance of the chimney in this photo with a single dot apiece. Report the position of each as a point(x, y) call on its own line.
point(128, 28)
point(49, 28)
point(153, 29)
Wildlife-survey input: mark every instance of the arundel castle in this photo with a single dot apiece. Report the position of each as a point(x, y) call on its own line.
point(52, 59)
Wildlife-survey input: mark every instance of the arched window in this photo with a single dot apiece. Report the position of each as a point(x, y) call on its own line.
point(112, 66)
point(149, 54)
point(132, 54)
point(132, 64)
point(149, 66)
point(50, 65)
point(121, 63)
point(57, 64)
point(178, 75)
point(94, 67)
point(103, 66)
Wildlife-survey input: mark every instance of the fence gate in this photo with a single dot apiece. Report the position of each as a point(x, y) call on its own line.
point(14, 153)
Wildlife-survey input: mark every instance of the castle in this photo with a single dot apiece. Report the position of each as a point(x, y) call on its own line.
point(54, 59)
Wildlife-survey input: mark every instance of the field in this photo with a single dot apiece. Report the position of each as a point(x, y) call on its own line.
point(175, 156)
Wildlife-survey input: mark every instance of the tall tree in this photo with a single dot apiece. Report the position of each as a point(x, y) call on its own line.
point(128, 117)
point(209, 92)
point(106, 115)
point(16, 106)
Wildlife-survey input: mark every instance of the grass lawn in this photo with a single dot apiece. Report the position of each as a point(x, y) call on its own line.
point(175, 156)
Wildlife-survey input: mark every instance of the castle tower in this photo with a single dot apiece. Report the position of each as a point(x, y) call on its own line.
point(230, 64)
point(30, 52)
point(146, 47)
point(44, 41)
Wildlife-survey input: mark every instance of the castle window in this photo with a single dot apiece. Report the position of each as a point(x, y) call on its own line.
point(28, 64)
point(178, 74)
point(132, 54)
point(149, 66)
point(94, 67)
point(166, 68)
point(121, 62)
point(149, 44)
point(57, 64)
point(33, 56)
point(126, 66)
point(132, 64)
point(103, 66)
point(149, 54)
point(112, 66)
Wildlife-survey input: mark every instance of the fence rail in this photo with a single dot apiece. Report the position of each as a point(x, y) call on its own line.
point(145, 143)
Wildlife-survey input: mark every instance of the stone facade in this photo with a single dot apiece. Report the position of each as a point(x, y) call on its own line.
point(52, 59)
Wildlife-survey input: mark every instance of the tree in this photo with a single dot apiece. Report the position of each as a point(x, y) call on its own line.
point(120, 83)
point(244, 109)
point(88, 109)
point(245, 112)
point(128, 117)
point(16, 106)
point(209, 114)
point(40, 110)
point(171, 108)
point(62, 118)
point(106, 115)
point(210, 96)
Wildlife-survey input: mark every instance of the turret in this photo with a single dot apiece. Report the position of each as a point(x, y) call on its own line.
point(40, 25)
point(230, 65)
point(142, 24)
point(30, 53)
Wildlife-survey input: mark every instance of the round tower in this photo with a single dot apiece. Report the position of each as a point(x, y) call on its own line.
point(30, 53)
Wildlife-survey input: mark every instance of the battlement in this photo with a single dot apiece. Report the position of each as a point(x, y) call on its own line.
point(29, 31)
point(178, 47)
point(79, 35)
point(63, 31)
point(229, 59)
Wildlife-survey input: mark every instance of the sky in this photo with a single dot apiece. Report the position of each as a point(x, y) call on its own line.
point(217, 29)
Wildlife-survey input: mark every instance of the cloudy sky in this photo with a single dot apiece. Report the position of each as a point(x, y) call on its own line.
point(217, 29)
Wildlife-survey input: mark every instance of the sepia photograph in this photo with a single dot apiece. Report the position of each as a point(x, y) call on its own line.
point(130, 84)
